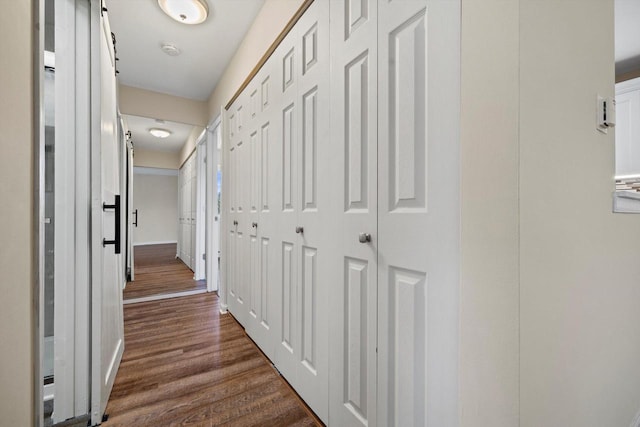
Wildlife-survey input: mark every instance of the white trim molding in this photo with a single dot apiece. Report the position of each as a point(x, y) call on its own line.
point(143, 170)
point(160, 242)
point(164, 296)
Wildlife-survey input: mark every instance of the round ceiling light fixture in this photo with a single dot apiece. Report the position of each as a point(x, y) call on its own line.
point(170, 49)
point(186, 11)
point(159, 133)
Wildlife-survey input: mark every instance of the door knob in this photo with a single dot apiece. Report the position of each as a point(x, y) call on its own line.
point(299, 230)
point(254, 225)
point(364, 237)
point(235, 222)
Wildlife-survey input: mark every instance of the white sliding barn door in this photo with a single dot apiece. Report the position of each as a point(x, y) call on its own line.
point(353, 323)
point(107, 319)
point(418, 181)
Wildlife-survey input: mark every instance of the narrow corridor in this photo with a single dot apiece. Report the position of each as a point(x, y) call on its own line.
point(186, 364)
point(158, 272)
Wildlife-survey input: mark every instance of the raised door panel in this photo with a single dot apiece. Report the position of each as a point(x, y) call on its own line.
point(353, 375)
point(418, 217)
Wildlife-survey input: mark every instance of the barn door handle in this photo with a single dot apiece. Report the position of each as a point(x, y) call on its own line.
point(116, 208)
point(299, 230)
point(136, 220)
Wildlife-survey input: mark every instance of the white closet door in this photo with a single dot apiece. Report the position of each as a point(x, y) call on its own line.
point(418, 68)
point(180, 248)
point(353, 322)
point(187, 228)
point(265, 169)
point(315, 178)
point(231, 233)
point(240, 180)
point(193, 207)
point(288, 107)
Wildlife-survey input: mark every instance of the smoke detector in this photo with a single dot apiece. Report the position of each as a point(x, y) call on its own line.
point(170, 49)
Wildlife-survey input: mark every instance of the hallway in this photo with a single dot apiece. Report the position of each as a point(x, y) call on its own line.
point(159, 272)
point(186, 364)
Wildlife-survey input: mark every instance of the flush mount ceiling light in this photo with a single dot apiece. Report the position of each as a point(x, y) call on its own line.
point(186, 11)
point(159, 133)
point(170, 49)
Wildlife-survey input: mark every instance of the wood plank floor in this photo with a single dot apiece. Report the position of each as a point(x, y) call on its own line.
point(159, 272)
point(186, 364)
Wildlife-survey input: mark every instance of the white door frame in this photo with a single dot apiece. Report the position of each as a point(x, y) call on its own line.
point(213, 132)
point(129, 193)
point(224, 215)
point(72, 224)
point(201, 161)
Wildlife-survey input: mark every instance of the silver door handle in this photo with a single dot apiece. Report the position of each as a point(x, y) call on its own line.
point(299, 230)
point(364, 237)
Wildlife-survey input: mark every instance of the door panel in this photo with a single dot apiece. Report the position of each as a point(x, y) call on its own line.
point(418, 67)
point(285, 129)
point(316, 267)
point(107, 325)
point(353, 322)
point(267, 177)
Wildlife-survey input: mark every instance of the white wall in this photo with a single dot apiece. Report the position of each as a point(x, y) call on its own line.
point(489, 219)
point(16, 214)
point(156, 105)
point(269, 22)
point(156, 198)
point(580, 269)
point(156, 159)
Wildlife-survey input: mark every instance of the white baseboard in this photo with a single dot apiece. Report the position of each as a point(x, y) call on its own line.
point(163, 296)
point(160, 242)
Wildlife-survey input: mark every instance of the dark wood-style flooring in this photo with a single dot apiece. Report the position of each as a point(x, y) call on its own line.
point(186, 364)
point(159, 272)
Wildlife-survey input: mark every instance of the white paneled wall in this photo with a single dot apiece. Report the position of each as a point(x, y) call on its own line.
point(187, 212)
point(341, 215)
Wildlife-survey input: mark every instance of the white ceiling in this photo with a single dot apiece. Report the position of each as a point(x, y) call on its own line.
point(139, 128)
point(141, 27)
point(627, 24)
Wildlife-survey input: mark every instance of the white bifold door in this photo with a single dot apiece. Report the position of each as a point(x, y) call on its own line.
point(281, 209)
point(187, 208)
point(354, 292)
point(342, 221)
point(107, 261)
point(418, 211)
